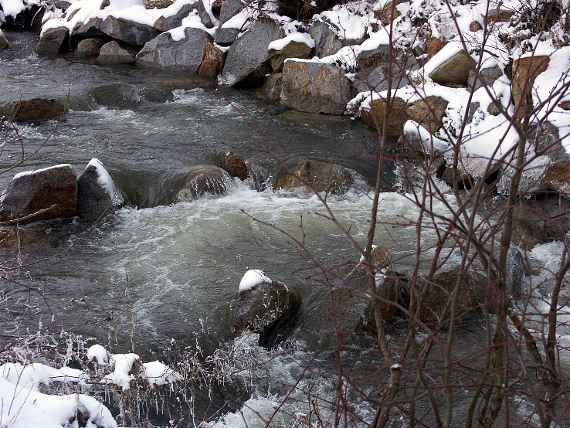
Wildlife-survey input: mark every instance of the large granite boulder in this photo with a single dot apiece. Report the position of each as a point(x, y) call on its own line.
point(40, 195)
point(112, 53)
point(129, 32)
point(315, 87)
point(51, 41)
point(180, 55)
point(97, 194)
point(247, 59)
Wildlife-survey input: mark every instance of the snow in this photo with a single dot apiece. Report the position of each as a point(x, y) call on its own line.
point(351, 20)
point(252, 278)
point(278, 45)
point(123, 364)
point(25, 408)
point(14, 7)
point(106, 182)
point(98, 353)
point(157, 373)
point(430, 144)
point(39, 171)
point(254, 414)
point(447, 52)
point(32, 375)
point(193, 20)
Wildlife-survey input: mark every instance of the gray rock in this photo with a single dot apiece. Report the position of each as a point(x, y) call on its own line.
point(97, 195)
point(112, 53)
point(129, 32)
point(326, 40)
point(291, 50)
point(229, 9)
point(118, 95)
point(271, 88)
point(183, 55)
point(89, 48)
point(272, 310)
point(158, 4)
point(226, 36)
point(51, 41)
point(4, 44)
point(167, 23)
point(90, 29)
point(314, 87)
point(48, 193)
point(247, 59)
point(454, 71)
point(486, 76)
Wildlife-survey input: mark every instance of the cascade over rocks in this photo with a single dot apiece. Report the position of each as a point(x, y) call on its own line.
point(183, 55)
point(247, 59)
point(35, 110)
point(51, 41)
point(233, 164)
point(269, 309)
point(315, 87)
point(40, 195)
point(112, 53)
point(202, 180)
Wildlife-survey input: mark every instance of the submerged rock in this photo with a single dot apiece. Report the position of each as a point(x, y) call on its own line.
point(178, 55)
point(112, 53)
point(270, 309)
point(35, 110)
point(315, 87)
point(204, 179)
point(247, 59)
point(40, 195)
point(97, 195)
point(51, 41)
point(88, 48)
point(314, 176)
point(116, 95)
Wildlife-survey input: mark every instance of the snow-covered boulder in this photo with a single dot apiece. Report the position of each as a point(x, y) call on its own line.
point(314, 86)
point(246, 61)
point(4, 44)
point(42, 194)
point(428, 112)
point(213, 61)
point(373, 114)
point(165, 23)
point(450, 66)
point(35, 110)
point(112, 53)
point(89, 48)
point(326, 40)
point(486, 76)
point(169, 52)
point(97, 194)
point(294, 45)
point(51, 41)
point(266, 307)
point(130, 32)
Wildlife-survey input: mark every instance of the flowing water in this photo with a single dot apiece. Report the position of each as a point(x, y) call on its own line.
point(156, 272)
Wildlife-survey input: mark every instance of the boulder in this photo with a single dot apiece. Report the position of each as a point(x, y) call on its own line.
point(157, 4)
point(51, 41)
point(167, 23)
point(313, 176)
point(179, 55)
point(525, 71)
point(88, 48)
point(326, 39)
point(35, 110)
point(40, 195)
point(271, 88)
point(116, 95)
point(89, 29)
point(303, 10)
point(486, 76)
point(246, 61)
point(97, 195)
point(202, 180)
point(112, 53)
point(129, 32)
point(229, 9)
point(212, 62)
point(270, 309)
point(4, 44)
point(396, 117)
point(315, 87)
point(453, 70)
point(428, 112)
point(434, 45)
point(226, 36)
point(293, 49)
point(545, 138)
point(234, 165)
point(557, 177)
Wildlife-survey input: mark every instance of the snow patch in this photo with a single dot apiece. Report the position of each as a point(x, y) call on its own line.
point(278, 45)
point(252, 278)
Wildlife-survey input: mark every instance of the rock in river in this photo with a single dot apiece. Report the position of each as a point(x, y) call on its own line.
point(97, 195)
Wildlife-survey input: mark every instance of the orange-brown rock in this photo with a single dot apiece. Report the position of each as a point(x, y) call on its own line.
point(428, 112)
point(557, 177)
point(395, 114)
point(525, 71)
point(434, 45)
point(212, 62)
point(385, 15)
point(475, 26)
